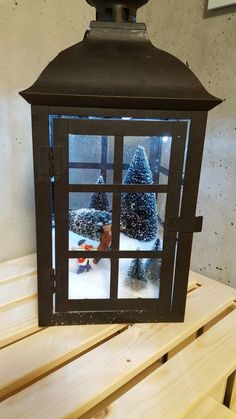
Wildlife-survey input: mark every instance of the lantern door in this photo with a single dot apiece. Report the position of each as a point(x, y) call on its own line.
point(117, 188)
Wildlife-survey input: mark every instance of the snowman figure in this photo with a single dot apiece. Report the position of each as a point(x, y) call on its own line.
point(83, 263)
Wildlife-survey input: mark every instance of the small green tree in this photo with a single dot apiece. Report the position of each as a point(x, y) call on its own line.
point(139, 209)
point(136, 275)
point(99, 200)
point(87, 222)
point(153, 266)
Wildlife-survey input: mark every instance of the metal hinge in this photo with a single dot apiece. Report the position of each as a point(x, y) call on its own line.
point(183, 225)
point(53, 280)
point(51, 161)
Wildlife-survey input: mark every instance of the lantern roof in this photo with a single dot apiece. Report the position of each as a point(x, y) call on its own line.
point(117, 66)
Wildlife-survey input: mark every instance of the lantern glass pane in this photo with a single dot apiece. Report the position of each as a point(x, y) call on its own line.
point(142, 220)
point(77, 176)
point(90, 159)
point(145, 159)
point(90, 221)
point(139, 278)
point(163, 179)
point(87, 282)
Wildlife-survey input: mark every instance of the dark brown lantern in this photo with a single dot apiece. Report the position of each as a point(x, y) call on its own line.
point(118, 135)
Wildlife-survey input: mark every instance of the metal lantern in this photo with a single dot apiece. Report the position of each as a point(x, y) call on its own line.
point(118, 134)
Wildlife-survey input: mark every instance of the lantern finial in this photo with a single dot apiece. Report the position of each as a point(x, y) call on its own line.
point(116, 10)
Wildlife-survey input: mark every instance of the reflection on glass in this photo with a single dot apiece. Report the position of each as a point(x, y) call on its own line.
point(90, 221)
point(90, 156)
point(139, 278)
point(83, 176)
point(89, 280)
point(163, 179)
point(161, 211)
point(145, 158)
point(165, 152)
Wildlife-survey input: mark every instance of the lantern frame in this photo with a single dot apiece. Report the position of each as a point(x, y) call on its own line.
point(179, 225)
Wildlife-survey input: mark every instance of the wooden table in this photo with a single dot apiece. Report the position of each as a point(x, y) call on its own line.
point(162, 371)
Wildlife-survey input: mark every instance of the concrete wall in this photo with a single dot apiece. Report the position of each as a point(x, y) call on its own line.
point(33, 32)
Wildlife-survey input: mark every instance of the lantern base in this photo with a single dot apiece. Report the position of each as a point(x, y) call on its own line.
point(112, 317)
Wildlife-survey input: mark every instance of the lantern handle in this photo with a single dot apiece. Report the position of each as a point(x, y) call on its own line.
point(116, 10)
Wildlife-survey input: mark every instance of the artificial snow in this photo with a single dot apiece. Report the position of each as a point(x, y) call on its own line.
point(96, 283)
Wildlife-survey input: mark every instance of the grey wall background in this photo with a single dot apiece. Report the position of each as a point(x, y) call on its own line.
point(33, 32)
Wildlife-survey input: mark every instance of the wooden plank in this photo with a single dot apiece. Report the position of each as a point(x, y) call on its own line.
point(203, 280)
point(181, 384)
point(211, 409)
point(21, 320)
point(14, 290)
point(233, 396)
point(218, 392)
point(28, 331)
point(181, 345)
point(17, 268)
point(192, 285)
point(18, 321)
point(219, 317)
point(40, 353)
point(100, 411)
point(79, 386)
point(16, 303)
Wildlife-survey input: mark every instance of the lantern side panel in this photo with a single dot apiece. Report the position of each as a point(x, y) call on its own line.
point(100, 266)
